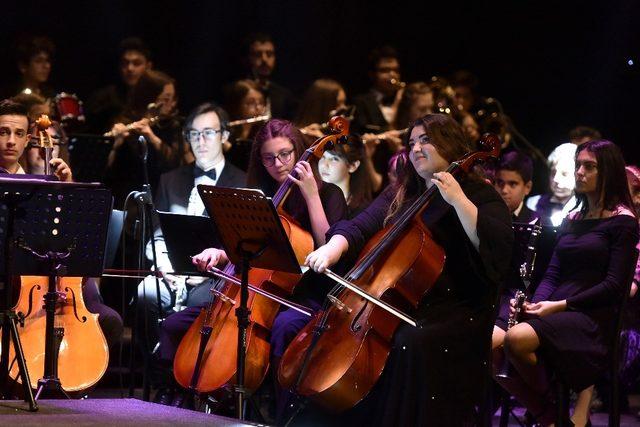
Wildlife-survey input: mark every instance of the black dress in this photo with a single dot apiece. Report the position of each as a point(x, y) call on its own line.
point(591, 268)
point(436, 373)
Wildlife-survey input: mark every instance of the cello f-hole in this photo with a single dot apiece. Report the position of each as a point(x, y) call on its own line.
point(75, 308)
point(355, 326)
point(23, 316)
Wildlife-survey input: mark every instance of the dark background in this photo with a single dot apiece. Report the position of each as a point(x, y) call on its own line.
point(553, 65)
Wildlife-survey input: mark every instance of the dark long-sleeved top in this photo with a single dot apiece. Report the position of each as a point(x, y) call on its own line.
point(435, 373)
point(592, 263)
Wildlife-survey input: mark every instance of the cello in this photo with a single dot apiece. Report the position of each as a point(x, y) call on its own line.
point(81, 354)
point(337, 358)
point(206, 357)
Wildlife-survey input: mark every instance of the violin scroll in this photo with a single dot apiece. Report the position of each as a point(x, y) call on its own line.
point(43, 123)
point(490, 142)
point(489, 145)
point(339, 127)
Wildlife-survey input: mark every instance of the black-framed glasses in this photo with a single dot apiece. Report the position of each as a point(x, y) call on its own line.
point(209, 134)
point(269, 160)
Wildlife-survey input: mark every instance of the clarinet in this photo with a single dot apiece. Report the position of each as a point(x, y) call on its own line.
point(526, 271)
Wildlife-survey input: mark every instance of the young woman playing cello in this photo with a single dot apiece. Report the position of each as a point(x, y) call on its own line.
point(313, 204)
point(435, 373)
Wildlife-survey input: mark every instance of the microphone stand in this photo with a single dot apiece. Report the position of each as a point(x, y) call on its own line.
point(145, 203)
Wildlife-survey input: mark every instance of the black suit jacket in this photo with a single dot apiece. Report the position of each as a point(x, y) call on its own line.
point(175, 186)
point(368, 117)
point(525, 215)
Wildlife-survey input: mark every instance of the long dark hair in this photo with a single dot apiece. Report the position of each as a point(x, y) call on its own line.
point(409, 96)
point(611, 183)
point(448, 138)
point(319, 100)
point(257, 174)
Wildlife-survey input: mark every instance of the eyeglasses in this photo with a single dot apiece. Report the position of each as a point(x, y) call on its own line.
point(269, 160)
point(208, 133)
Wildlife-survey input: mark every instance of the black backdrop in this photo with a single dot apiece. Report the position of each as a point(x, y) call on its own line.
point(553, 65)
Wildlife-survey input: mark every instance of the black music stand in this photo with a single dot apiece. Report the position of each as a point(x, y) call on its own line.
point(53, 229)
point(252, 235)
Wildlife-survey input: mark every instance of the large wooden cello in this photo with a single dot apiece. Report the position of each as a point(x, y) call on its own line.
point(206, 358)
point(337, 358)
point(81, 354)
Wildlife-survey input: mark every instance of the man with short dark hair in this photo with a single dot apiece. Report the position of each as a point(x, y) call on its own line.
point(106, 105)
point(206, 131)
point(14, 137)
point(376, 109)
point(260, 59)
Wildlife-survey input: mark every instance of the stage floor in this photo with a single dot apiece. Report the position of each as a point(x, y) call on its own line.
point(134, 412)
point(106, 412)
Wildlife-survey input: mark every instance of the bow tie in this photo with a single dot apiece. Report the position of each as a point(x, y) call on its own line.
point(198, 172)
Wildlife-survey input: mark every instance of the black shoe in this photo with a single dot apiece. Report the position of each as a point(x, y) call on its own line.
point(183, 399)
point(164, 396)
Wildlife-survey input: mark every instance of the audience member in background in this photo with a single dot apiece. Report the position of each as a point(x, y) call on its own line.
point(260, 59)
point(581, 134)
point(149, 113)
point(554, 206)
point(243, 100)
point(323, 99)
point(106, 105)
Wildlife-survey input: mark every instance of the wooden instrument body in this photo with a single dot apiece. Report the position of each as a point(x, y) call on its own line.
point(218, 364)
point(83, 353)
point(353, 349)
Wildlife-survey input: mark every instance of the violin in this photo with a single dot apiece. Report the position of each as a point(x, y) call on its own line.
point(337, 358)
point(206, 357)
point(82, 352)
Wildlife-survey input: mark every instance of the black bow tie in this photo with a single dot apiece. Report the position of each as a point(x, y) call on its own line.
point(198, 172)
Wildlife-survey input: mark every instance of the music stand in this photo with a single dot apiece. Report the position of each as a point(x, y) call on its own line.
point(53, 229)
point(252, 235)
point(185, 236)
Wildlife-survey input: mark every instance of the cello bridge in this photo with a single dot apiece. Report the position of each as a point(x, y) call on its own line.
point(223, 297)
point(339, 304)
